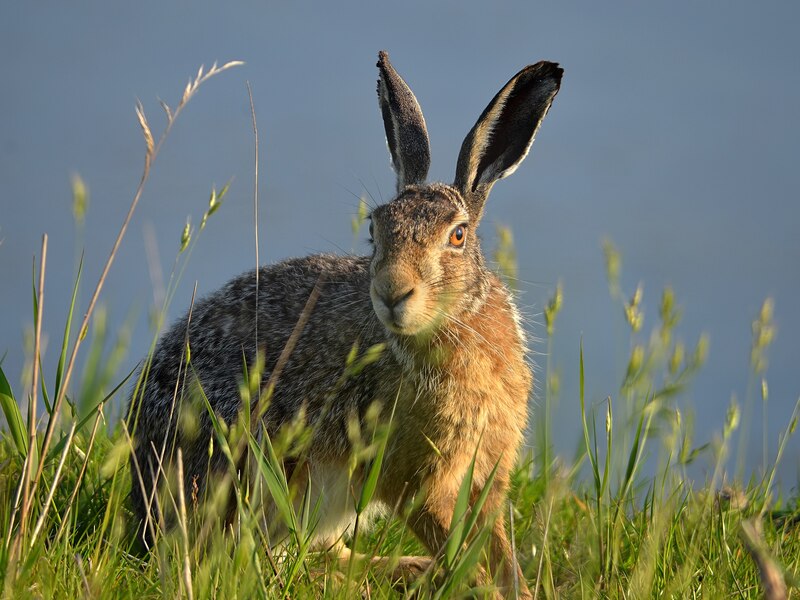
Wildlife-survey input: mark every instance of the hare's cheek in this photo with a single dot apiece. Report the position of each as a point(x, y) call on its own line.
point(377, 257)
point(379, 306)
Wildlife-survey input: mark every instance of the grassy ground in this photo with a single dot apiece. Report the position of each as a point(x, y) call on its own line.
point(622, 520)
point(643, 536)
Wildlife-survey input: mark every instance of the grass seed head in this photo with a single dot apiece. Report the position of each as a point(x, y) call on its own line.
point(553, 308)
point(80, 199)
point(186, 235)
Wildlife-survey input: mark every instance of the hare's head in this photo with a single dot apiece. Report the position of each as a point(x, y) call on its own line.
point(427, 264)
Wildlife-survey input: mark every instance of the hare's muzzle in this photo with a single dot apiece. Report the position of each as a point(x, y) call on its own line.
point(398, 304)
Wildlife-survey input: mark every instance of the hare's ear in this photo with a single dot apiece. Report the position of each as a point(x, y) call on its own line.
point(503, 134)
point(406, 134)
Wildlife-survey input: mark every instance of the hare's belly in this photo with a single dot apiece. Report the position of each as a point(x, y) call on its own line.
point(335, 492)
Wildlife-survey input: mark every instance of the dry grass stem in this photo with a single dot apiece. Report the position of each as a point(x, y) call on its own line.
point(54, 485)
point(184, 527)
point(255, 197)
point(79, 481)
point(27, 493)
point(150, 155)
point(266, 392)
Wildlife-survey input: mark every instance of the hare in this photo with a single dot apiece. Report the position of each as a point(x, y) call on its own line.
point(453, 375)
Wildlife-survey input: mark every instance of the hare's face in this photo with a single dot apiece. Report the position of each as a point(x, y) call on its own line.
point(426, 259)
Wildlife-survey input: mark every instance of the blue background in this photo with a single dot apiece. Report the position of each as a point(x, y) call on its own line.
point(675, 134)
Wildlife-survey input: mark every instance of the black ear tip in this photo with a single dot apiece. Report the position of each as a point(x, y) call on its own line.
point(385, 69)
point(546, 70)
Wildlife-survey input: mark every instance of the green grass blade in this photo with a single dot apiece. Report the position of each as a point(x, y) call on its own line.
point(276, 484)
point(371, 483)
point(456, 539)
point(271, 468)
point(55, 450)
point(480, 501)
point(609, 438)
point(588, 445)
point(16, 425)
point(467, 563)
point(5, 387)
point(215, 424)
point(62, 359)
point(305, 515)
point(635, 451)
point(43, 387)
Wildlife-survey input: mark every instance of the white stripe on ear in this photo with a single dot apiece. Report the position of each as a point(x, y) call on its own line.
point(406, 133)
point(504, 133)
point(492, 172)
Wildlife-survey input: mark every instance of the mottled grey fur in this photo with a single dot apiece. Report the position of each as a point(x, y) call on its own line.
point(454, 366)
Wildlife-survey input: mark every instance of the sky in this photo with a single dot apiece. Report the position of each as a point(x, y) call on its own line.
point(675, 135)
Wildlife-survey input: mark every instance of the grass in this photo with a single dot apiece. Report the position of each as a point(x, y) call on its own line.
point(622, 519)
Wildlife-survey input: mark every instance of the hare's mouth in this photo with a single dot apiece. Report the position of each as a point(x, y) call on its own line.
point(406, 329)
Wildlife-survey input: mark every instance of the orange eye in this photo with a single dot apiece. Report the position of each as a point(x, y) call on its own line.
point(458, 236)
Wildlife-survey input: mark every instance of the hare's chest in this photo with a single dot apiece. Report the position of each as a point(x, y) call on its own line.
point(484, 397)
point(444, 424)
point(485, 391)
point(479, 396)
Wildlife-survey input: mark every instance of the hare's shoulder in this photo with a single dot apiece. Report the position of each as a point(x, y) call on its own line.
point(329, 291)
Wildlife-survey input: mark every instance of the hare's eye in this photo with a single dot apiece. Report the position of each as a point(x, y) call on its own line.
point(458, 236)
point(371, 236)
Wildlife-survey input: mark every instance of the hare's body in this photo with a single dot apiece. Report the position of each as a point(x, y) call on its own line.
point(453, 375)
point(427, 381)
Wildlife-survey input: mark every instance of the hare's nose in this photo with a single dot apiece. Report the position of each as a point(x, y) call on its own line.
point(393, 302)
